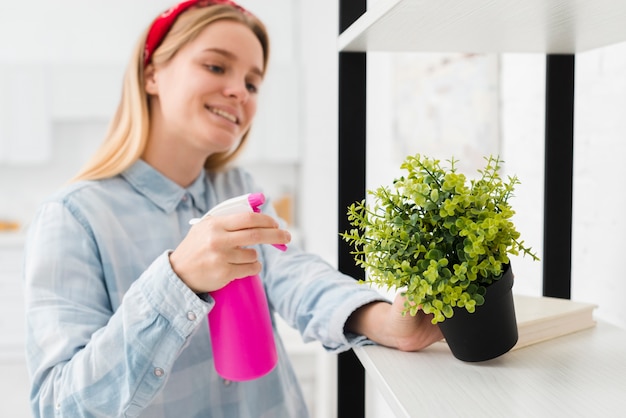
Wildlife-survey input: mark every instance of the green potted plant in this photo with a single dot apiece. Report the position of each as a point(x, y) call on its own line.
point(445, 243)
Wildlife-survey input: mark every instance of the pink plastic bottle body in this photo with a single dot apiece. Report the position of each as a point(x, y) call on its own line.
point(241, 331)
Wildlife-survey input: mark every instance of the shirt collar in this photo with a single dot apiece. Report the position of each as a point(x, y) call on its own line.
point(162, 191)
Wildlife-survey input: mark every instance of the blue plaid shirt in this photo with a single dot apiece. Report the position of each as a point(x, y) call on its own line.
point(113, 332)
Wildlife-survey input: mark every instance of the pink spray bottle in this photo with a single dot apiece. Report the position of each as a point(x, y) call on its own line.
point(239, 323)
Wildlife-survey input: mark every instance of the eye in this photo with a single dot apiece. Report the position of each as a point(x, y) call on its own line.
point(252, 88)
point(253, 83)
point(214, 68)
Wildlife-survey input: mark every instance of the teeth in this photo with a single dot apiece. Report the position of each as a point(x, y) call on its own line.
point(223, 114)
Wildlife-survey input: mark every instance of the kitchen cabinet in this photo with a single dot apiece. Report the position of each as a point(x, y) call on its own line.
point(557, 28)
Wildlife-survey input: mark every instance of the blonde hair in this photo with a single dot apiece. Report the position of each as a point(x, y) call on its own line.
point(127, 135)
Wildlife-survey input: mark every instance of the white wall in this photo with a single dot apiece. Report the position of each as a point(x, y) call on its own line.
point(599, 198)
point(318, 196)
point(599, 143)
point(522, 121)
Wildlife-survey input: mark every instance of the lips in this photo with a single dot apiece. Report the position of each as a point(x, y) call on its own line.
point(223, 113)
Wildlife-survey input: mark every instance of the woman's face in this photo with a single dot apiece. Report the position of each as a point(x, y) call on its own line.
point(206, 97)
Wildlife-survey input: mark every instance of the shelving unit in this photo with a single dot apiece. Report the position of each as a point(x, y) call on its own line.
point(557, 28)
point(486, 26)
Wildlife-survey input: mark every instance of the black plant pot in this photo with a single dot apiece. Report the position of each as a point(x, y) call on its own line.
point(490, 331)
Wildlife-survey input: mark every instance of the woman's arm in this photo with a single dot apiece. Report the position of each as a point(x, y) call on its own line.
point(83, 358)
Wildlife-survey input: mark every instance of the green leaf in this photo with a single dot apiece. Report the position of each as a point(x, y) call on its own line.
point(479, 299)
point(436, 234)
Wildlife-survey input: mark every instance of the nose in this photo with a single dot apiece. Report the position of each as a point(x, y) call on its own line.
point(237, 89)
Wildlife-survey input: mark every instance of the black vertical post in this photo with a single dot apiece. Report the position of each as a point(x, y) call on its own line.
point(559, 163)
point(352, 93)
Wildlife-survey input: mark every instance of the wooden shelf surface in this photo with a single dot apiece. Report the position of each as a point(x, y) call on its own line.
point(487, 26)
point(580, 374)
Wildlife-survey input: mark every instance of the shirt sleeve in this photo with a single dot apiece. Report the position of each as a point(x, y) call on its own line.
point(83, 358)
point(314, 297)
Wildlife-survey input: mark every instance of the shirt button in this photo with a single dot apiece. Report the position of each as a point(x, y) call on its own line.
point(158, 372)
point(227, 382)
point(191, 316)
point(185, 197)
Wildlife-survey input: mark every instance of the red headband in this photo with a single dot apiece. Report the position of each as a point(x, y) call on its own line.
point(164, 22)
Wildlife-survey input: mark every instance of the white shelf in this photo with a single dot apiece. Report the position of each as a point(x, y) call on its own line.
point(487, 26)
point(581, 374)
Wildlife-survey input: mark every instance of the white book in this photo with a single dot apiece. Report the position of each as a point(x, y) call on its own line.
point(543, 318)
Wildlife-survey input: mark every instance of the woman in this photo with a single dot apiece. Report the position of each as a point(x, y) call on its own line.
point(117, 282)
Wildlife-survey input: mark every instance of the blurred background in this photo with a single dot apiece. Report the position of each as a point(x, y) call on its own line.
point(61, 66)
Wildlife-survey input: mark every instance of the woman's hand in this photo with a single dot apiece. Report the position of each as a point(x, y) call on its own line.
point(384, 324)
point(216, 250)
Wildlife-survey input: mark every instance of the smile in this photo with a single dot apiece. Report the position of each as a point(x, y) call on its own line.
point(228, 116)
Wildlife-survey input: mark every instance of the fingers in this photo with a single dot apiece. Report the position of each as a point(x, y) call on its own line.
point(218, 249)
point(413, 333)
point(249, 229)
point(249, 237)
